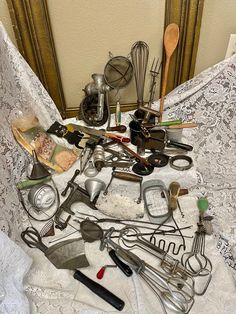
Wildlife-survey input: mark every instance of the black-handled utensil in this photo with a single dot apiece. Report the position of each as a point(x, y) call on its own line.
point(99, 290)
point(123, 267)
point(179, 145)
point(173, 143)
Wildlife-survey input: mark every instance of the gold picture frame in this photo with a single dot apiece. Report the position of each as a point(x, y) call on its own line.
point(34, 37)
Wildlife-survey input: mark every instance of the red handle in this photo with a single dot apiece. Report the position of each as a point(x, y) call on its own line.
point(101, 272)
point(118, 138)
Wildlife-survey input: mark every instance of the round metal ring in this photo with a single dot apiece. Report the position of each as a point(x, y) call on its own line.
point(181, 157)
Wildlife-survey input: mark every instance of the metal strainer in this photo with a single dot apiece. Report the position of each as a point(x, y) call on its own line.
point(90, 231)
point(118, 72)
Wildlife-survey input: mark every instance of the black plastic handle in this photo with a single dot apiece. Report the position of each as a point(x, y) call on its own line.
point(99, 290)
point(123, 267)
point(180, 145)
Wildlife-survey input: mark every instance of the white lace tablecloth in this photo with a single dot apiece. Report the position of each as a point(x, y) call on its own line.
point(208, 99)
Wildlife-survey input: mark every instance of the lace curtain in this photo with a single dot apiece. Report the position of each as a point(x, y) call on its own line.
point(20, 92)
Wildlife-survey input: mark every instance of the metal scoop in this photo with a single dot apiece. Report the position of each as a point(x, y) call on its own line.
point(68, 254)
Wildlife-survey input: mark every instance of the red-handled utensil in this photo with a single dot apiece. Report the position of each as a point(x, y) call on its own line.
point(101, 272)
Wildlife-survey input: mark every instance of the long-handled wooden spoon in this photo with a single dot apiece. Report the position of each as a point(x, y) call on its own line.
point(171, 38)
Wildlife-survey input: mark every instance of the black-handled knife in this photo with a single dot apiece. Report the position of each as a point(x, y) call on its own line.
point(99, 290)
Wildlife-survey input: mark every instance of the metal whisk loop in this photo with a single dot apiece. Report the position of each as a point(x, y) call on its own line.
point(195, 261)
point(139, 55)
point(191, 260)
point(170, 299)
point(173, 284)
point(208, 265)
point(171, 266)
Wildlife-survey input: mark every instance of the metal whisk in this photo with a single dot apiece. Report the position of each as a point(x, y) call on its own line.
point(139, 56)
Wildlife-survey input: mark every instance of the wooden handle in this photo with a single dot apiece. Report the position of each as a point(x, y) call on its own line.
point(127, 176)
point(183, 126)
point(143, 160)
point(163, 91)
point(174, 189)
point(149, 110)
point(171, 38)
point(181, 193)
point(118, 128)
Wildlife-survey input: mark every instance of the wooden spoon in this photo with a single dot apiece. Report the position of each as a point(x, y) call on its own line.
point(171, 38)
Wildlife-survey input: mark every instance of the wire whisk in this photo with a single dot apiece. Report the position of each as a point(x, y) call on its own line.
point(139, 55)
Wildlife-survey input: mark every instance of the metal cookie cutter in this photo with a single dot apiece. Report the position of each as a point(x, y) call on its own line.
point(129, 177)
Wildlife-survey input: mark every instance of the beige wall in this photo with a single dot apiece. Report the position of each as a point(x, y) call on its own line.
point(218, 22)
point(6, 21)
point(86, 30)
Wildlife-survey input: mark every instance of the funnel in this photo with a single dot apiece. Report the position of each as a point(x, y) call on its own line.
point(38, 170)
point(94, 187)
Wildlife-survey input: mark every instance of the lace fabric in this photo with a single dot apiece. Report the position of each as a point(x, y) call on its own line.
point(11, 275)
point(209, 99)
point(20, 91)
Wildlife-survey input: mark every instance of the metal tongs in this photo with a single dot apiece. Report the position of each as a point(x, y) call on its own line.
point(173, 292)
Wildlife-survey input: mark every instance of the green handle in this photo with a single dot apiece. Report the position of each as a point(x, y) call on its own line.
point(172, 122)
point(202, 204)
point(26, 184)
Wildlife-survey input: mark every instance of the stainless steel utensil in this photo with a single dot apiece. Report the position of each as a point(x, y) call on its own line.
point(173, 291)
point(139, 55)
